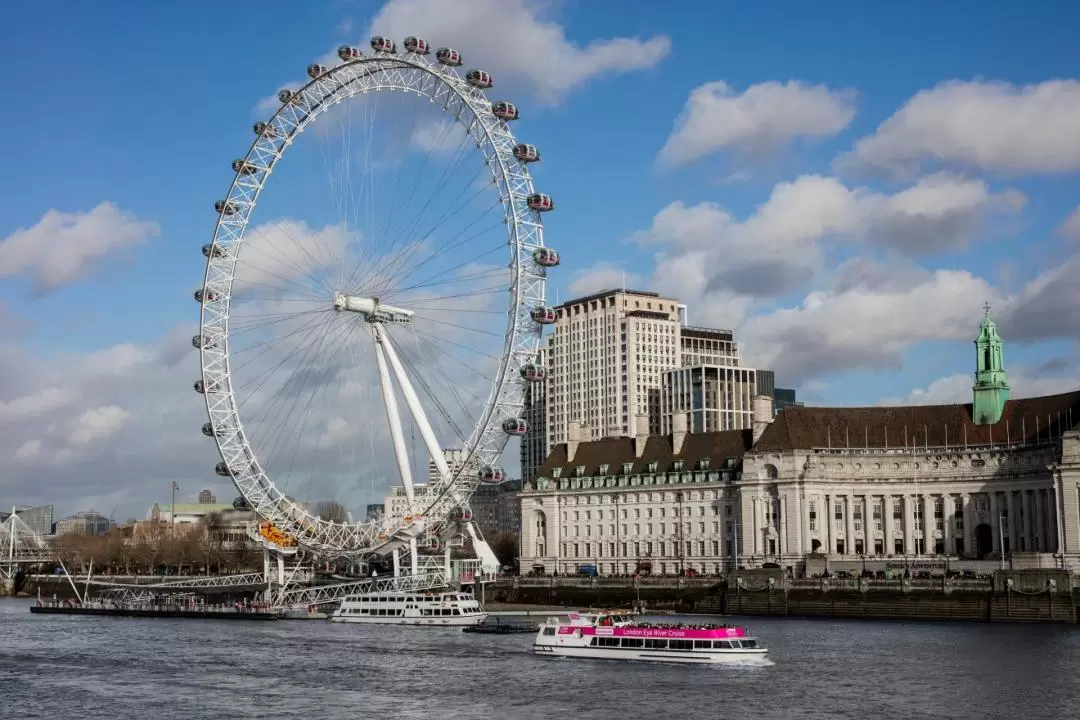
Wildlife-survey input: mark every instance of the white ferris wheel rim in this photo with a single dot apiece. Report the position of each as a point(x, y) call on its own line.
point(469, 107)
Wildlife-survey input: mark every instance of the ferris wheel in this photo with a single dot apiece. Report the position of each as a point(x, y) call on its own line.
point(403, 278)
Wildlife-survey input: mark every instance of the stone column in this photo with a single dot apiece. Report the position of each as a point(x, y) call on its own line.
point(1043, 527)
point(886, 516)
point(1055, 504)
point(909, 524)
point(804, 545)
point(755, 527)
point(849, 524)
point(1011, 524)
point(995, 523)
point(948, 510)
point(969, 524)
point(868, 524)
point(929, 525)
point(827, 522)
point(1025, 504)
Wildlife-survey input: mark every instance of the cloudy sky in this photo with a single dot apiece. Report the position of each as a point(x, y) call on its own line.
point(845, 187)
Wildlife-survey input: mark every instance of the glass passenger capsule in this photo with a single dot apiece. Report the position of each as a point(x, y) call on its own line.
point(224, 207)
point(505, 111)
point(533, 372)
point(209, 295)
point(479, 79)
point(208, 250)
point(265, 130)
point(448, 56)
point(491, 475)
point(515, 426)
point(348, 53)
point(417, 46)
point(543, 315)
point(540, 202)
point(316, 71)
point(526, 153)
point(243, 167)
point(546, 257)
point(383, 45)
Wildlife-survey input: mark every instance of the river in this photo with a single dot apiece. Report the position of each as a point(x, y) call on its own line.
point(130, 669)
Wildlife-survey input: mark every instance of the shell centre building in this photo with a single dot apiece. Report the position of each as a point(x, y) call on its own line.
point(992, 481)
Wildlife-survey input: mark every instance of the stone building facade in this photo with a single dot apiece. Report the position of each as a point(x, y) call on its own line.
point(996, 479)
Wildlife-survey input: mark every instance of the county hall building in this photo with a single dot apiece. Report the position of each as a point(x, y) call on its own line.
point(944, 483)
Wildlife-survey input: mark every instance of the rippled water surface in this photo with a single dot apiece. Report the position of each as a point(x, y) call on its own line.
point(131, 669)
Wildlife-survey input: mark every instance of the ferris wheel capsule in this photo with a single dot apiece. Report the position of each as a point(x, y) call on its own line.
point(505, 111)
point(212, 250)
point(316, 71)
point(448, 56)
point(546, 257)
point(202, 388)
point(209, 296)
point(417, 46)
point(222, 469)
point(492, 475)
point(480, 79)
point(264, 130)
point(241, 504)
point(208, 430)
point(526, 153)
point(200, 343)
point(243, 167)
point(533, 372)
point(225, 207)
point(540, 202)
point(515, 426)
point(543, 315)
point(383, 45)
point(348, 53)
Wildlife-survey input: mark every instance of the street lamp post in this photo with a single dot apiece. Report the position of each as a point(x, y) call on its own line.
point(1001, 537)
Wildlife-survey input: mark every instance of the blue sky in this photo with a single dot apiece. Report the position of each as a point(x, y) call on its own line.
point(857, 289)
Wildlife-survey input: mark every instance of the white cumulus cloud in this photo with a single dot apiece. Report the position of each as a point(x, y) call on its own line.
point(63, 247)
point(763, 118)
point(994, 126)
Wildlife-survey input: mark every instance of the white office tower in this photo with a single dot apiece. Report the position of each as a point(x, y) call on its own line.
point(455, 461)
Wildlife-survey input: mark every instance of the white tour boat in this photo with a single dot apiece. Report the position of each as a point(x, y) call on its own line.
point(617, 636)
point(402, 608)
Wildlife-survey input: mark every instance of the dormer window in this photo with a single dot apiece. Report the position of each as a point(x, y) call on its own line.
point(556, 472)
point(579, 471)
point(627, 467)
point(677, 466)
point(604, 469)
point(652, 466)
point(703, 464)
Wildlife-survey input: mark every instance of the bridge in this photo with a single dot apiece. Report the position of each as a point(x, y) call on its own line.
point(21, 546)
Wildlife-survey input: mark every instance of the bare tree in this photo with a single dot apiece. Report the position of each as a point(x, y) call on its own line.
point(505, 547)
point(331, 510)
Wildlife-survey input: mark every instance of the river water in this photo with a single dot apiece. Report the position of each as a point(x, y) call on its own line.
point(132, 669)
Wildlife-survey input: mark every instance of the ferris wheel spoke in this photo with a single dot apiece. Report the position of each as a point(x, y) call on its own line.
point(410, 250)
point(292, 430)
point(299, 385)
point(402, 243)
point(451, 274)
point(267, 345)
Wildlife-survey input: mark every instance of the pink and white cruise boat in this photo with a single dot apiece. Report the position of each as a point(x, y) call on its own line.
point(615, 636)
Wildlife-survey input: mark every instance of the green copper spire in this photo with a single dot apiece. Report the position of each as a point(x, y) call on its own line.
point(991, 383)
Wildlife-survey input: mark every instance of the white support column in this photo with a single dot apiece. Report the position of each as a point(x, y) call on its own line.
point(394, 418)
point(397, 563)
point(446, 563)
point(413, 401)
point(414, 561)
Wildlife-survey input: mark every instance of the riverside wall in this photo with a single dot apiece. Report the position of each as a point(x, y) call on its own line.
point(1044, 596)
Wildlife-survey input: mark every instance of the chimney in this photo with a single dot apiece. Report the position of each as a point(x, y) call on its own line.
point(573, 439)
point(763, 414)
point(641, 433)
point(680, 421)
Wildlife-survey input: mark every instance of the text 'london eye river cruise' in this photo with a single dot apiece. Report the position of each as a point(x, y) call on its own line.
point(611, 636)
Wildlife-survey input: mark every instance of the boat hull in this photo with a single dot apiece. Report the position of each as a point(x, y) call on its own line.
point(454, 621)
point(693, 657)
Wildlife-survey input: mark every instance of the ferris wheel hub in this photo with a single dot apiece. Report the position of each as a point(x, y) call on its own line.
point(371, 309)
